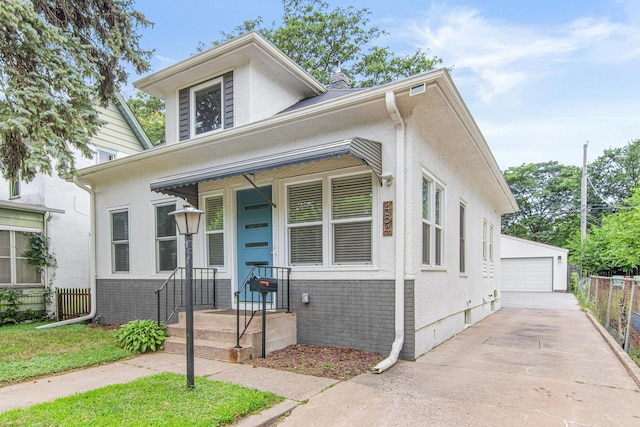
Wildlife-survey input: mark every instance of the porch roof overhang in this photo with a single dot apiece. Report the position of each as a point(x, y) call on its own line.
point(185, 185)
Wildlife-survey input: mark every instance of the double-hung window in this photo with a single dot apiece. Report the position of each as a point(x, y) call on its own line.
point(305, 223)
point(491, 250)
point(485, 247)
point(14, 266)
point(214, 230)
point(351, 219)
point(463, 238)
point(330, 220)
point(166, 239)
point(120, 241)
point(207, 107)
point(432, 222)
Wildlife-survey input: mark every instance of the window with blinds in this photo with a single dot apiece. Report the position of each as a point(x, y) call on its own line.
point(214, 230)
point(351, 219)
point(330, 220)
point(166, 239)
point(120, 241)
point(305, 223)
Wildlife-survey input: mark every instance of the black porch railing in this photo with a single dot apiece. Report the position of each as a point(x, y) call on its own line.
point(171, 295)
point(249, 303)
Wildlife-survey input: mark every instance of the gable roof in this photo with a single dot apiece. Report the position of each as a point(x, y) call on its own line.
point(251, 45)
point(133, 123)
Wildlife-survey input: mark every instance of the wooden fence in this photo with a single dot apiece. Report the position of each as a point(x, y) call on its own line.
point(72, 303)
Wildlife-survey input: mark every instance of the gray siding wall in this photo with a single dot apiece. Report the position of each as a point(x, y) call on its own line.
point(122, 300)
point(358, 314)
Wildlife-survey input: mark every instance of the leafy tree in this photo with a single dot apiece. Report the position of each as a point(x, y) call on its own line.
point(57, 59)
point(149, 111)
point(614, 247)
point(612, 177)
point(548, 195)
point(318, 38)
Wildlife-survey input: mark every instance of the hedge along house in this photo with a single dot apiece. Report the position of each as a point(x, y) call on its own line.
point(60, 209)
point(375, 198)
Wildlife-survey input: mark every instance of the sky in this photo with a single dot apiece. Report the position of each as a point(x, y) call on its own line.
point(541, 78)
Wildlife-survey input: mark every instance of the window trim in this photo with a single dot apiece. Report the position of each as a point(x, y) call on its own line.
point(112, 243)
point(14, 189)
point(436, 222)
point(327, 224)
point(13, 257)
point(192, 105)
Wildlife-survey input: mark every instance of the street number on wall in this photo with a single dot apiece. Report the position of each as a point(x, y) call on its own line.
point(387, 218)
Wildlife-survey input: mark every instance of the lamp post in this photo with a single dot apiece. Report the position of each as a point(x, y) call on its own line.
point(188, 222)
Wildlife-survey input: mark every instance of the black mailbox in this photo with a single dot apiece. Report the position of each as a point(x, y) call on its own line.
point(263, 284)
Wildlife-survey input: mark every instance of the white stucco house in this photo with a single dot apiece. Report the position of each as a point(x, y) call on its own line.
point(61, 210)
point(383, 203)
point(529, 266)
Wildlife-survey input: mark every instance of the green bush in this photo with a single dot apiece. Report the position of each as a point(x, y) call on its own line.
point(141, 336)
point(9, 306)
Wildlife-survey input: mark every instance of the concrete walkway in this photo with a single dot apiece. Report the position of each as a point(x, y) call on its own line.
point(521, 366)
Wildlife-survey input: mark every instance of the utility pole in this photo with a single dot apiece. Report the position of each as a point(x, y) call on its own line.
point(583, 196)
point(583, 207)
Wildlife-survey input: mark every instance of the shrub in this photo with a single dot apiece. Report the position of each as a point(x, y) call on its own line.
point(141, 336)
point(9, 305)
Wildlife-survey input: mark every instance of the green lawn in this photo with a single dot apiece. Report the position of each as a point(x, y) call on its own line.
point(27, 352)
point(159, 400)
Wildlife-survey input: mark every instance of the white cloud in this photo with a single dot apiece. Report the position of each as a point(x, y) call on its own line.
point(163, 61)
point(503, 56)
point(539, 91)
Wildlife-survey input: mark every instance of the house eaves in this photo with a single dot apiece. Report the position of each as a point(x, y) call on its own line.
point(168, 79)
point(435, 79)
point(28, 208)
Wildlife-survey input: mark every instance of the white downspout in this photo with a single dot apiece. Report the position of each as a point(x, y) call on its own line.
point(400, 179)
point(92, 261)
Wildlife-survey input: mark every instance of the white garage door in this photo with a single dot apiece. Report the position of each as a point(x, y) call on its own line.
point(527, 274)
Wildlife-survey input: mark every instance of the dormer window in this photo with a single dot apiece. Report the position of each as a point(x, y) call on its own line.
point(207, 107)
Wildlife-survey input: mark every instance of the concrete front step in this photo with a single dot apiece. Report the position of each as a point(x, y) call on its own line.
point(211, 333)
point(209, 349)
point(214, 334)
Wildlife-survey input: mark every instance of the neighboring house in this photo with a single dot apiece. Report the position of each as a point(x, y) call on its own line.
point(529, 266)
point(376, 198)
point(61, 210)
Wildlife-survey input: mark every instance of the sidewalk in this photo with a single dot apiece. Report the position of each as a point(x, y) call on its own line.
point(520, 366)
point(293, 387)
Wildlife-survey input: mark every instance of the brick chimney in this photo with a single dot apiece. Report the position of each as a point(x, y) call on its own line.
point(339, 80)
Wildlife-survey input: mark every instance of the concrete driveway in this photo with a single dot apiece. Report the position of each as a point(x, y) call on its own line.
point(539, 361)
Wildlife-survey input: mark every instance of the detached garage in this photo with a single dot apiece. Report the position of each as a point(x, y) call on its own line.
point(529, 266)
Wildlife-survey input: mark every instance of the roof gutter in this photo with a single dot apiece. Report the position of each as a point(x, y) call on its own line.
point(92, 262)
point(400, 180)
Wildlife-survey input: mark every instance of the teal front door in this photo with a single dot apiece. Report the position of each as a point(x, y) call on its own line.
point(255, 231)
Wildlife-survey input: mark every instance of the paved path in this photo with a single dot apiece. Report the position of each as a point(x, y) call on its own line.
point(542, 366)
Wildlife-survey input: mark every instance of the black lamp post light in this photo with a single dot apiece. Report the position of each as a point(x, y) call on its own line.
point(188, 222)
